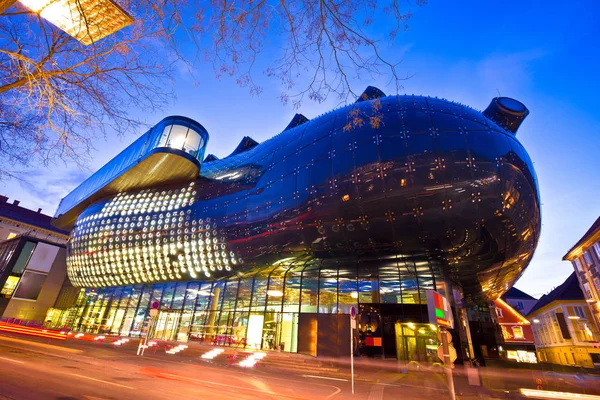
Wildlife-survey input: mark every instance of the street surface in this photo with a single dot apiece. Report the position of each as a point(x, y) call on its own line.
point(47, 369)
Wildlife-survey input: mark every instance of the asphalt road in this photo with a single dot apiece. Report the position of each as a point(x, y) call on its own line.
point(37, 369)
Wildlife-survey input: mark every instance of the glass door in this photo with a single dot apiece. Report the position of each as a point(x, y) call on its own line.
point(166, 325)
point(288, 339)
point(184, 327)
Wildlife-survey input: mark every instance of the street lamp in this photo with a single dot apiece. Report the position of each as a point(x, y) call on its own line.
point(85, 20)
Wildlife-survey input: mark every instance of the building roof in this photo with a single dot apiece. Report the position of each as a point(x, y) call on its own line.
point(593, 229)
point(569, 290)
point(514, 293)
point(509, 315)
point(24, 215)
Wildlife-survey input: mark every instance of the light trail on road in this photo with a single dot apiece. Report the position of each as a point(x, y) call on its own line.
point(103, 381)
point(11, 360)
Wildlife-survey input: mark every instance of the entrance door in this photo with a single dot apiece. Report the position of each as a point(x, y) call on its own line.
point(288, 332)
point(184, 326)
point(166, 325)
point(416, 342)
point(307, 333)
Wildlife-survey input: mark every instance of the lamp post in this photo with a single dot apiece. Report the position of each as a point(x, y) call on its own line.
point(85, 20)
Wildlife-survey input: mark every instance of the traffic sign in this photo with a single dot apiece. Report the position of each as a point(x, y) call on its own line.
point(353, 312)
point(444, 332)
point(451, 351)
point(155, 305)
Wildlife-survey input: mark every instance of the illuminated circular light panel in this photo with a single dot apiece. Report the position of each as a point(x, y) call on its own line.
point(110, 247)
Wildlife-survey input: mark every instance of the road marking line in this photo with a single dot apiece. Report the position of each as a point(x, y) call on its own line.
point(376, 392)
point(414, 386)
point(100, 380)
point(231, 386)
point(287, 380)
point(549, 394)
point(338, 391)
point(10, 359)
point(44, 345)
point(325, 377)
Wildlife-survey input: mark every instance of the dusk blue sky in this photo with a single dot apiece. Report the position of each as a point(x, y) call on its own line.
point(543, 53)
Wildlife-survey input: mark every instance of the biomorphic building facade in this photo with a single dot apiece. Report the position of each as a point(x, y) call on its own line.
point(369, 205)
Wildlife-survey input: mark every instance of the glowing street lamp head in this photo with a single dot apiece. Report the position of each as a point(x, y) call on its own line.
point(86, 20)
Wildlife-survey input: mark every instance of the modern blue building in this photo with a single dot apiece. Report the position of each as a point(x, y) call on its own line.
point(369, 205)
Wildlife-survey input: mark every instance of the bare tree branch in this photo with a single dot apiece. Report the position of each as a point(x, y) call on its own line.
point(57, 96)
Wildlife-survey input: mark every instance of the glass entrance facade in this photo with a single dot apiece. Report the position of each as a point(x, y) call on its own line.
point(260, 309)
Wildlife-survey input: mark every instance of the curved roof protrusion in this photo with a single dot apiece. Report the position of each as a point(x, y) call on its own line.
point(370, 93)
point(507, 112)
point(246, 144)
point(298, 119)
point(210, 157)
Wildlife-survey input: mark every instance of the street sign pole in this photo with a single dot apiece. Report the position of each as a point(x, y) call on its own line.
point(447, 361)
point(352, 353)
point(352, 326)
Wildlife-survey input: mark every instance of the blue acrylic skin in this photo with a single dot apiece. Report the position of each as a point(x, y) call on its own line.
point(422, 183)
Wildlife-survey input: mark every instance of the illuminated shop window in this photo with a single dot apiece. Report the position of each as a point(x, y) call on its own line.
point(10, 285)
point(517, 332)
point(259, 309)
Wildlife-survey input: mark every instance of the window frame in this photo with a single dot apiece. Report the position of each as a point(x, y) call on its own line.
point(499, 313)
point(596, 247)
point(587, 257)
point(520, 329)
point(578, 310)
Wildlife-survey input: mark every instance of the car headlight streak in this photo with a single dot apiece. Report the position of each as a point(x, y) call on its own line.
point(146, 237)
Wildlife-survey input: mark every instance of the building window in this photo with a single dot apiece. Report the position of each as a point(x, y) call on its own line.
point(579, 311)
point(517, 332)
point(520, 306)
point(10, 286)
point(586, 290)
point(499, 312)
point(588, 257)
point(597, 249)
point(578, 265)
